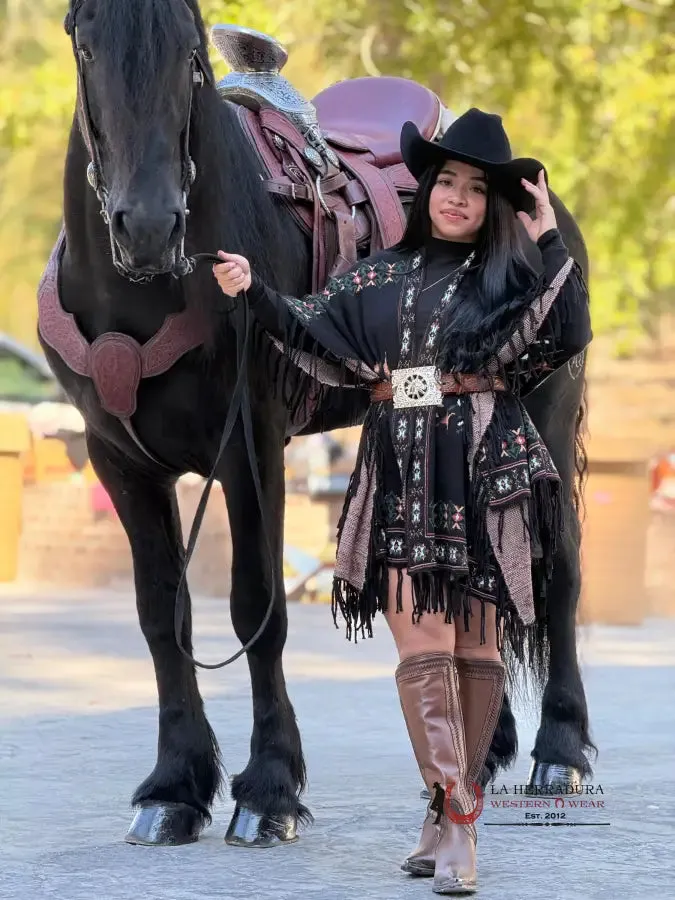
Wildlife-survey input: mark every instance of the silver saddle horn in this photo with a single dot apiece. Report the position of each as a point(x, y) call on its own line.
point(256, 60)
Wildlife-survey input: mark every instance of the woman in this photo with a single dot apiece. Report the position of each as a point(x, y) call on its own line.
point(454, 505)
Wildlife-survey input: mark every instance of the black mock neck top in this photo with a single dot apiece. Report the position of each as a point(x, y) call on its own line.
point(442, 259)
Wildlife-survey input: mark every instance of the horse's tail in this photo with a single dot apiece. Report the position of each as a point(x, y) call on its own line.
point(526, 650)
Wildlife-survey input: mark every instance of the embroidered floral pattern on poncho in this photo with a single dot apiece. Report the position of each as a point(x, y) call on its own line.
point(524, 460)
point(355, 281)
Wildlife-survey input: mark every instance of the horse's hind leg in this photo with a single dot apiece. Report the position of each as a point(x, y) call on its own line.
point(175, 798)
point(563, 740)
point(267, 791)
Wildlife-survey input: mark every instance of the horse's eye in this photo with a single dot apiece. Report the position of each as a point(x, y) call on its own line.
point(85, 53)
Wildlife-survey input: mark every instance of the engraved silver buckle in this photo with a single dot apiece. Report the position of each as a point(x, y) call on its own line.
point(417, 386)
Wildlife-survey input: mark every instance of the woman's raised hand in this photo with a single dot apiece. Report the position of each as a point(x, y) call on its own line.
point(544, 217)
point(233, 274)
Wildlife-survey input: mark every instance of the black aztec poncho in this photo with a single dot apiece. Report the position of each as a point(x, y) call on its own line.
point(463, 496)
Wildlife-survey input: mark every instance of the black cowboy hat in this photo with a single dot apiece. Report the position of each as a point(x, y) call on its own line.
point(479, 139)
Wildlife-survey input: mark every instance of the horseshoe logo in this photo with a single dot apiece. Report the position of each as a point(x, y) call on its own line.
point(464, 818)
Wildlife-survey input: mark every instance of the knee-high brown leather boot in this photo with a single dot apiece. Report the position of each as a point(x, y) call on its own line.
point(481, 690)
point(429, 692)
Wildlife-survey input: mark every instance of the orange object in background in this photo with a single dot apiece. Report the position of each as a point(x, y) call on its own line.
point(14, 443)
point(664, 467)
point(57, 458)
point(50, 460)
point(662, 473)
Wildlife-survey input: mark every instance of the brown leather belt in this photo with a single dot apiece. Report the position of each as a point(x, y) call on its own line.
point(450, 384)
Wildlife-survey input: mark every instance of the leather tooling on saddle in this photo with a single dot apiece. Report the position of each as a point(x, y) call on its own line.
point(115, 362)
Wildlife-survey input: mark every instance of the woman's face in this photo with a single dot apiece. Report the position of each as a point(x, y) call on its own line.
point(458, 202)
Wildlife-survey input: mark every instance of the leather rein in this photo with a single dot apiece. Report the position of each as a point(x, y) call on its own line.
point(240, 401)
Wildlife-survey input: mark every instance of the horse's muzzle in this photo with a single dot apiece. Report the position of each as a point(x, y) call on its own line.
point(148, 245)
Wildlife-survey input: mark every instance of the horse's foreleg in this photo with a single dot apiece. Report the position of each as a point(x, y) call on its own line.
point(267, 791)
point(175, 798)
point(562, 745)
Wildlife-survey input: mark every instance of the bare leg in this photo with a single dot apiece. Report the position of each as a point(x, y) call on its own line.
point(430, 634)
point(467, 643)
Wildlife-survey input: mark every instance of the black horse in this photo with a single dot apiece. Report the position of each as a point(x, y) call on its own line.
point(142, 117)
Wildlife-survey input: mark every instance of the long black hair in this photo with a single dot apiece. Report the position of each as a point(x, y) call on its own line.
point(501, 268)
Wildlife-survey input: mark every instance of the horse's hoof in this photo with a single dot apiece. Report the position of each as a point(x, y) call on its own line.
point(250, 829)
point(165, 825)
point(552, 778)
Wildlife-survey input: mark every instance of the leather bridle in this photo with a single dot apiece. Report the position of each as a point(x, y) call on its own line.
point(199, 74)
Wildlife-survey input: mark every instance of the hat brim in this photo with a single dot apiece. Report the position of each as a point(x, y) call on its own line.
point(419, 155)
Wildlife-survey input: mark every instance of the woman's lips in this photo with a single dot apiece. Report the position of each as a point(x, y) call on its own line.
point(453, 216)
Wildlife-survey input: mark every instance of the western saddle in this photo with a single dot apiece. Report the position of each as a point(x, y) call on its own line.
point(335, 160)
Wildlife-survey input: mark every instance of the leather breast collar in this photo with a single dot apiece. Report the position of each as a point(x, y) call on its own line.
point(114, 362)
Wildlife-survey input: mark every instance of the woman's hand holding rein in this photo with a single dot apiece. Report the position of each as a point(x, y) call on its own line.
point(233, 274)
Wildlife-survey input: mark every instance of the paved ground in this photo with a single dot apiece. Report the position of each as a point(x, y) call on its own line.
point(77, 733)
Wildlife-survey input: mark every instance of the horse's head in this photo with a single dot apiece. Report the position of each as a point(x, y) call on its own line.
point(138, 64)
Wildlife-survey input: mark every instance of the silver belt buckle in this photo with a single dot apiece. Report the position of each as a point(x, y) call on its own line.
point(417, 386)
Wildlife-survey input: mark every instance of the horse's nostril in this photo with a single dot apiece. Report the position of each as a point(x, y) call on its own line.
point(177, 229)
point(119, 224)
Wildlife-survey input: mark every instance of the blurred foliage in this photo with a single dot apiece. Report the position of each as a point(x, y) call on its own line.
point(586, 85)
